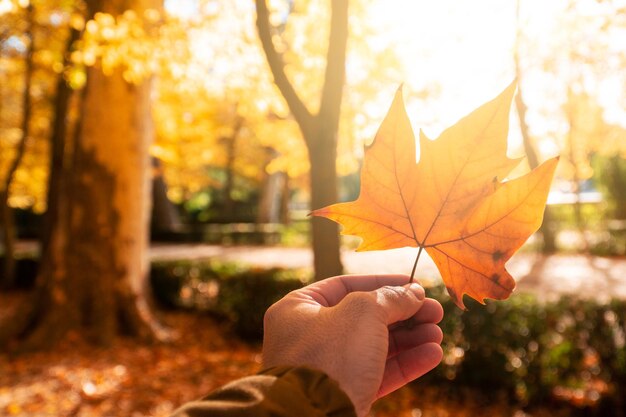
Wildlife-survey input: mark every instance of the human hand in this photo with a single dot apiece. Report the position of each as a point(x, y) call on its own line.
point(344, 326)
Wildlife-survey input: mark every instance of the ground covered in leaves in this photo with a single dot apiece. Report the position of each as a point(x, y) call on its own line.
point(135, 380)
point(127, 379)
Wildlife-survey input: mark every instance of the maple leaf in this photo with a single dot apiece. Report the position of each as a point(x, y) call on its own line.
point(452, 203)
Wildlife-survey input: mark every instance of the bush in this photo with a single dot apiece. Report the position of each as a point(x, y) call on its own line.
point(570, 352)
point(245, 297)
point(237, 293)
point(167, 280)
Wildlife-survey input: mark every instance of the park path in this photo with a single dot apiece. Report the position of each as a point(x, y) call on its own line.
point(546, 276)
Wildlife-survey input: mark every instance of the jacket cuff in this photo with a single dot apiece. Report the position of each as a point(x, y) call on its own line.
point(281, 391)
point(303, 385)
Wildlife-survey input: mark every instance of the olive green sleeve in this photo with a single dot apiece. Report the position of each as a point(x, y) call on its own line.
point(277, 392)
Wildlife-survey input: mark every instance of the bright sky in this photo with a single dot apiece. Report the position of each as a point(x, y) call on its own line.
point(461, 49)
point(466, 48)
point(464, 51)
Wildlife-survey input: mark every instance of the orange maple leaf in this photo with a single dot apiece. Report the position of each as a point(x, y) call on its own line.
point(452, 203)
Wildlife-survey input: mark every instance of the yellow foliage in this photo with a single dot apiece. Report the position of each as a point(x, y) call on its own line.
point(210, 75)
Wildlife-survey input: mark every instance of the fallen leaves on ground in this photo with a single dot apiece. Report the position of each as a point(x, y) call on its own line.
point(126, 379)
point(130, 379)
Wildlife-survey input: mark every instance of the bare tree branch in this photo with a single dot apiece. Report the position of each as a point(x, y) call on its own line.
point(277, 66)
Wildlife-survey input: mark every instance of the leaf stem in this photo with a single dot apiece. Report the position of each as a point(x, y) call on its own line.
point(415, 264)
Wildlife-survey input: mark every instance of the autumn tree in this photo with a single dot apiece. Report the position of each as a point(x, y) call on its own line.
point(218, 149)
point(93, 272)
point(34, 50)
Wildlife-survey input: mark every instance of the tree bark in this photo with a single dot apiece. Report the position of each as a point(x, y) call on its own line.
point(94, 270)
point(325, 234)
point(7, 217)
point(7, 280)
point(270, 207)
point(319, 130)
point(271, 197)
point(58, 139)
point(164, 217)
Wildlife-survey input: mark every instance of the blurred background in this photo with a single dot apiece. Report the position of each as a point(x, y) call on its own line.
point(158, 160)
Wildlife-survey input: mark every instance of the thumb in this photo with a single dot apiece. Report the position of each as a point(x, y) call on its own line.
point(399, 303)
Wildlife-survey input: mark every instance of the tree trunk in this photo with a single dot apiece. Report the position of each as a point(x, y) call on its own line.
point(58, 139)
point(270, 201)
point(271, 198)
point(164, 217)
point(325, 234)
point(7, 217)
point(285, 217)
point(94, 270)
point(8, 242)
point(319, 130)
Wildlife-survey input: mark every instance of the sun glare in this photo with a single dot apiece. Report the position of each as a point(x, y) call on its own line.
point(183, 9)
point(6, 6)
point(465, 47)
point(465, 52)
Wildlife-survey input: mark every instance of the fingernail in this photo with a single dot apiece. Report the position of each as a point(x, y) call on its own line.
point(418, 291)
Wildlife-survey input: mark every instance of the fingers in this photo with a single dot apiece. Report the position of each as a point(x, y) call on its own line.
point(431, 312)
point(399, 303)
point(331, 291)
point(385, 305)
point(409, 365)
point(403, 338)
